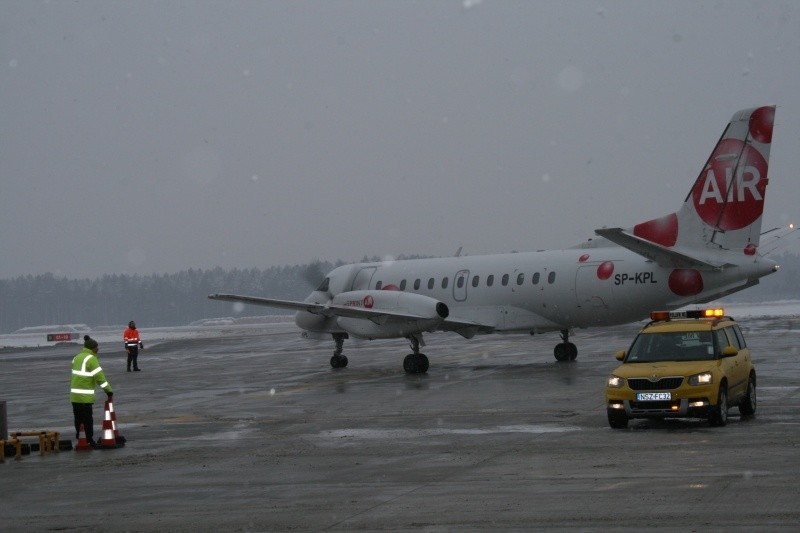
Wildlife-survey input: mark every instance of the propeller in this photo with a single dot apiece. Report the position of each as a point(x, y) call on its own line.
point(314, 273)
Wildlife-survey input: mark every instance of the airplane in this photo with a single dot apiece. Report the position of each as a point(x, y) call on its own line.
point(707, 249)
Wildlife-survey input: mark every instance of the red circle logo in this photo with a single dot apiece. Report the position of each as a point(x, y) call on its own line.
point(729, 193)
point(761, 122)
point(663, 231)
point(583, 258)
point(605, 270)
point(685, 282)
point(368, 301)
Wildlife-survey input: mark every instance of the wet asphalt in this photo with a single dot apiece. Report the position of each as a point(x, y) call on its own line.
point(251, 430)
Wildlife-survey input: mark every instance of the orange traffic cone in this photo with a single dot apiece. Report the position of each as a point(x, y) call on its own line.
point(119, 438)
point(83, 444)
point(108, 441)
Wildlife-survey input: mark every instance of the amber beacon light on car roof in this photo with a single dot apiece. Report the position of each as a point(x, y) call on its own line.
point(715, 312)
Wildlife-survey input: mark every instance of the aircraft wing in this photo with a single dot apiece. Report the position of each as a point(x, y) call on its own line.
point(655, 252)
point(311, 307)
point(329, 310)
point(465, 328)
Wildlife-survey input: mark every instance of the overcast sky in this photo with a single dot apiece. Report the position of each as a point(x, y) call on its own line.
point(153, 137)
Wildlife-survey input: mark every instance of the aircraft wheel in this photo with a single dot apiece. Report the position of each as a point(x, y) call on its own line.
point(416, 363)
point(422, 363)
point(572, 351)
point(560, 351)
point(339, 361)
point(565, 351)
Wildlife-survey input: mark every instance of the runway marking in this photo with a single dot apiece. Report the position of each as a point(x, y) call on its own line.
point(416, 433)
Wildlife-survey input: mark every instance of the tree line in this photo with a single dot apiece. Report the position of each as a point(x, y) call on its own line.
point(179, 299)
point(152, 300)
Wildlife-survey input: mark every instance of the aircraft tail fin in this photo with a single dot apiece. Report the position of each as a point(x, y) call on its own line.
point(724, 207)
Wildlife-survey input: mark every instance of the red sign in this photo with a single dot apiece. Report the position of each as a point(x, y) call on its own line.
point(61, 337)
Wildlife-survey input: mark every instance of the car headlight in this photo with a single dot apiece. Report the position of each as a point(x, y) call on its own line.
point(615, 382)
point(704, 378)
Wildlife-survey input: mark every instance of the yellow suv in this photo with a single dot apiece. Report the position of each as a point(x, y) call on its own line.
point(688, 364)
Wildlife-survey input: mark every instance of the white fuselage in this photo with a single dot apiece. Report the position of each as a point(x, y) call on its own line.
point(539, 291)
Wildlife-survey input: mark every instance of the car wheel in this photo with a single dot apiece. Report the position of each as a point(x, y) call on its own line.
point(748, 405)
point(718, 415)
point(617, 420)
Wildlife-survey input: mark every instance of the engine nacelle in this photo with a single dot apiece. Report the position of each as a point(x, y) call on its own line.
point(426, 313)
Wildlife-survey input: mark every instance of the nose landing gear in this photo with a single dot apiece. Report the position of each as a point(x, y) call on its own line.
point(565, 351)
point(338, 360)
point(415, 363)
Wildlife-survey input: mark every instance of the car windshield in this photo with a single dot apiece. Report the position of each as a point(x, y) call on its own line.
point(679, 346)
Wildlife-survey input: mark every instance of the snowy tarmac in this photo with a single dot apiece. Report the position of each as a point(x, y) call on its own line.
point(249, 429)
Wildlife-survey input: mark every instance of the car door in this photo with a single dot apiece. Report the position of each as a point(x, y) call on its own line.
point(741, 362)
point(727, 364)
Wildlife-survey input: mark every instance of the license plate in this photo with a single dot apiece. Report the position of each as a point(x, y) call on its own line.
point(653, 396)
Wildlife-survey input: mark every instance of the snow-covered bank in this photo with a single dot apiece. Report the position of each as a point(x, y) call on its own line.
point(111, 338)
point(741, 310)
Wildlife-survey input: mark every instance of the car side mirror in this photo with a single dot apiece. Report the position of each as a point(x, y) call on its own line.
point(729, 351)
point(620, 355)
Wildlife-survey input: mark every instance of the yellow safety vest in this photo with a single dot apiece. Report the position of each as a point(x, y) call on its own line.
point(86, 376)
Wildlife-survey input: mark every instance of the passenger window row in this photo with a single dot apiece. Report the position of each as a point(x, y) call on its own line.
point(476, 281)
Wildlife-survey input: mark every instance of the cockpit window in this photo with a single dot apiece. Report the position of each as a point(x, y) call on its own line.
point(323, 287)
point(678, 346)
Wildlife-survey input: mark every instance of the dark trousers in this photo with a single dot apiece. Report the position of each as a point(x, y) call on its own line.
point(83, 415)
point(133, 355)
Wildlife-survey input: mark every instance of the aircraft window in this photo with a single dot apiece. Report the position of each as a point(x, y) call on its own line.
point(403, 285)
point(505, 280)
point(378, 285)
point(444, 283)
point(551, 277)
point(430, 283)
point(460, 281)
point(416, 284)
point(520, 278)
point(536, 278)
point(490, 280)
point(476, 280)
point(323, 287)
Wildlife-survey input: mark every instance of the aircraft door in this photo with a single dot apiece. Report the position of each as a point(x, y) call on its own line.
point(460, 285)
point(592, 292)
point(363, 279)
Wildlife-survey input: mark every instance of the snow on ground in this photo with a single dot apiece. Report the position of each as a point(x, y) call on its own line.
point(742, 310)
point(112, 336)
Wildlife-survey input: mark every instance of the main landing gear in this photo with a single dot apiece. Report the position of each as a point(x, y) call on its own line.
point(565, 351)
point(338, 360)
point(415, 363)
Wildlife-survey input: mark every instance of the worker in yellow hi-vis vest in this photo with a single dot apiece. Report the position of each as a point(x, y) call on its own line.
point(87, 374)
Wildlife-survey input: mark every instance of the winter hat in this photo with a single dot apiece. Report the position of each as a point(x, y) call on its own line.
point(89, 342)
